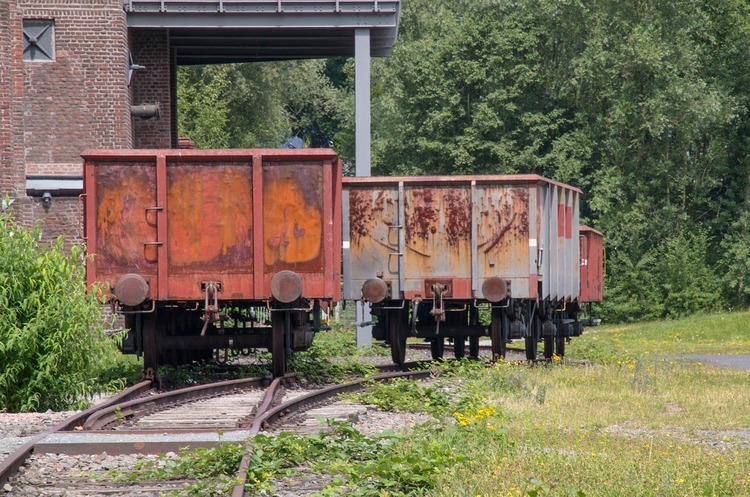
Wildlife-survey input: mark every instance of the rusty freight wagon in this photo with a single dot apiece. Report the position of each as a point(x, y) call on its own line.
point(192, 244)
point(463, 257)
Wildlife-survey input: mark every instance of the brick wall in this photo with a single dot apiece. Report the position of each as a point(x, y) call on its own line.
point(154, 84)
point(81, 99)
point(64, 217)
point(12, 170)
point(50, 111)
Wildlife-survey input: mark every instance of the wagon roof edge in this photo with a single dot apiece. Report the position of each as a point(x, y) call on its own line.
point(176, 153)
point(480, 178)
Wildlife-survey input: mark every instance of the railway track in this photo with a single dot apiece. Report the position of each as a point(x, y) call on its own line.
point(140, 421)
point(81, 449)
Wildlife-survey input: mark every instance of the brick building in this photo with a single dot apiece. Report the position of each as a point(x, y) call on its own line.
point(83, 74)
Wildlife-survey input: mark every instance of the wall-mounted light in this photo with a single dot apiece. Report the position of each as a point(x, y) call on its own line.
point(46, 200)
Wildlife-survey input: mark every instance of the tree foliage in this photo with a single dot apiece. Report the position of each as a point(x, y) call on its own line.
point(643, 104)
point(264, 104)
point(52, 347)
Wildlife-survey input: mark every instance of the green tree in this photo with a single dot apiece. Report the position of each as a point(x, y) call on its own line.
point(52, 345)
point(263, 104)
point(629, 100)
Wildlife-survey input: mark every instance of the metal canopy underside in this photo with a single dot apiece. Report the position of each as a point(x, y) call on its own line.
point(222, 31)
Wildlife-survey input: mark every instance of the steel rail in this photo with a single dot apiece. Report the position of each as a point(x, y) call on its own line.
point(111, 413)
point(15, 459)
point(265, 418)
point(426, 346)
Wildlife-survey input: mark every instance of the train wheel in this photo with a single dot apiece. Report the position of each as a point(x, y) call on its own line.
point(474, 347)
point(549, 347)
point(531, 348)
point(150, 323)
point(499, 333)
point(437, 347)
point(532, 342)
point(560, 346)
point(279, 325)
point(459, 347)
point(398, 336)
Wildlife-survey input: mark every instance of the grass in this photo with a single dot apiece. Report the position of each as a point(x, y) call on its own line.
point(644, 428)
point(726, 333)
point(632, 423)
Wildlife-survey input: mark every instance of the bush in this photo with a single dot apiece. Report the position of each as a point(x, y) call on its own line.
point(52, 344)
point(673, 278)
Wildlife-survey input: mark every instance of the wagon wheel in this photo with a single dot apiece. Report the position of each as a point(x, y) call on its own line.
point(279, 325)
point(499, 333)
point(474, 346)
point(560, 346)
point(532, 342)
point(437, 347)
point(531, 348)
point(459, 347)
point(549, 346)
point(397, 336)
point(151, 326)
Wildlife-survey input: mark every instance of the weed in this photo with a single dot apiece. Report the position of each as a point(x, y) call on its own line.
point(313, 368)
point(405, 395)
point(212, 469)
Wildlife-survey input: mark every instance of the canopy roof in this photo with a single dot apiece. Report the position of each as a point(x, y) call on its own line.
point(221, 31)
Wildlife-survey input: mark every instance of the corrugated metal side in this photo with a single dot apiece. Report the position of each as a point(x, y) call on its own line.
point(592, 265)
point(458, 231)
point(558, 249)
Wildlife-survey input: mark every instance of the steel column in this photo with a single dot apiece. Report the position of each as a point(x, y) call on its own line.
point(362, 143)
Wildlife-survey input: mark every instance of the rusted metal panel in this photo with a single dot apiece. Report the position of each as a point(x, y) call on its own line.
point(293, 217)
point(209, 228)
point(461, 230)
point(182, 218)
point(503, 234)
point(372, 216)
point(123, 219)
point(438, 235)
point(592, 265)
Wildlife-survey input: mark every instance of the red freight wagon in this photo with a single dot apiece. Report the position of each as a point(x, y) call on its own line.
point(592, 265)
point(190, 242)
point(428, 253)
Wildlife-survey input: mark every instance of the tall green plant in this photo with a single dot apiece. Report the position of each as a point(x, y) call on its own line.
point(52, 346)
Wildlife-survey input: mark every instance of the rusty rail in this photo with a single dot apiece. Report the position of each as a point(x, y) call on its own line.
point(10, 465)
point(111, 413)
point(264, 418)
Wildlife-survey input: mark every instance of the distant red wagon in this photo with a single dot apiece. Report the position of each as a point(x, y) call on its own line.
point(192, 242)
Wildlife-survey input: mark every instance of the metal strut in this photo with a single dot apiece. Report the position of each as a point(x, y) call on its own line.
point(437, 305)
point(211, 309)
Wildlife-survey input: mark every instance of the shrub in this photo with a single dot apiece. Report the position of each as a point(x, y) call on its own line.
point(52, 344)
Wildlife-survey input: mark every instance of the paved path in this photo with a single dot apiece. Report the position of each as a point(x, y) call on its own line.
point(740, 361)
